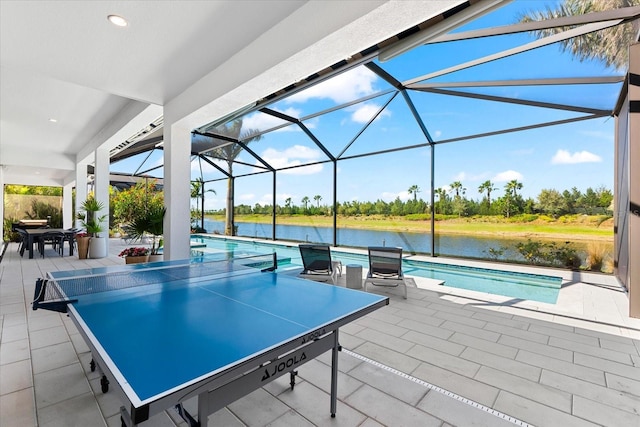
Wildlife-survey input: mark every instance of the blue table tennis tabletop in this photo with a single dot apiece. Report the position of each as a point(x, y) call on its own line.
point(160, 338)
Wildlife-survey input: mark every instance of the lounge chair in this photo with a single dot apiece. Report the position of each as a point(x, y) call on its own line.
point(385, 268)
point(318, 265)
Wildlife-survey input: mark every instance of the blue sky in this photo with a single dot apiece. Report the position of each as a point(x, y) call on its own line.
point(560, 157)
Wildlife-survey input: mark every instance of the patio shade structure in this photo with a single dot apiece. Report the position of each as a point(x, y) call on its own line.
point(233, 155)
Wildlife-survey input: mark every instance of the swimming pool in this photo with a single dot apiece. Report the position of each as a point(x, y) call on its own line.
point(533, 287)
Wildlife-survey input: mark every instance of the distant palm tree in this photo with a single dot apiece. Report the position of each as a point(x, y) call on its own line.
point(512, 186)
point(197, 191)
point(487, 186)
point(609, 45)
point(442, 196)
point(458, 188)
point(317, 198)
point(414, 189)
point(305, 200)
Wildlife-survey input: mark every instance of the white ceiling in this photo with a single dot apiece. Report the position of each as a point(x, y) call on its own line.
point(198, 59)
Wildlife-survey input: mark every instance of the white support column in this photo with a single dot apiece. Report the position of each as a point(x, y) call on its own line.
point(81, 188)
point(177, 190)
point(102, 187)
point(67, 206)
point(2, 203)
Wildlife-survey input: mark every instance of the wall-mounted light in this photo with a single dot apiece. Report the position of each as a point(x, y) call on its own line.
point(53, 120)
point(117, 20)
point(454, 21)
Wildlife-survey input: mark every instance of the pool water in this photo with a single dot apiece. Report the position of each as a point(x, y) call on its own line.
point(524, 286)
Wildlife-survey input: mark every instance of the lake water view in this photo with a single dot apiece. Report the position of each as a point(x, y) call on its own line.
point(454, 245)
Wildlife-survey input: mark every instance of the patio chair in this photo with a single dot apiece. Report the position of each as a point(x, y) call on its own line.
point(70, 236)
point(385, 268)
point(24, 238)
point(318, 265)
point(55, 239)
point(4, 249)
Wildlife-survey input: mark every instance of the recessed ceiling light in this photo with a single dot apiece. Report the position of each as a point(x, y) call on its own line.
point(53, 120)
point(117, 20)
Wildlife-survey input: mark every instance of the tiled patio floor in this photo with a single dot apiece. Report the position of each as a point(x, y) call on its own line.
point(574, 363)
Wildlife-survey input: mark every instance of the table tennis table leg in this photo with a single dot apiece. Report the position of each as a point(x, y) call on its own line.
point(334, 374)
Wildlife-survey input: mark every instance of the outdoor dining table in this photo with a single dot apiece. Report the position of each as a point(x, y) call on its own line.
point(34, 235)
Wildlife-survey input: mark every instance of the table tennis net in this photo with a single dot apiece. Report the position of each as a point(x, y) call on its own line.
point(55, 294)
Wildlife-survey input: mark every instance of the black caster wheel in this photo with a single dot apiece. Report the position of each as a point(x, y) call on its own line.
point(104, 384)
point(92, 365)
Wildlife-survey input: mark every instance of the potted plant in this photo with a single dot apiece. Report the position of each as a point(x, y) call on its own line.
point(135, 255)
point(93, 224)
point(83, 245)
point(150, 221)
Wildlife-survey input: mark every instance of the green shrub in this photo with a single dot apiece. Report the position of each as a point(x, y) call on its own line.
point(495, 253)
point(528, 217)
point(549, 254)
point(41, 210)
point(10, 236)
point(565, 255)
point(418, 217)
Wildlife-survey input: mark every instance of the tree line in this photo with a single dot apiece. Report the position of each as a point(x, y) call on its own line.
point(451, 200)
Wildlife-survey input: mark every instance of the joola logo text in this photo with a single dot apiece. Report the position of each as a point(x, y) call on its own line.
point(285, 365)
point(314, 335)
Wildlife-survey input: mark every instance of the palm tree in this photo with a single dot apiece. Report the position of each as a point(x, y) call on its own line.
point(609, 45)
point(511, 194)
point(197, 191)
point(442, 194)
point(414, 189)
point(229, 153)
point(487, 186)
point(512, 186)
point(305, 200)
point(458, 188)
point(195, 188)
point(317, 198)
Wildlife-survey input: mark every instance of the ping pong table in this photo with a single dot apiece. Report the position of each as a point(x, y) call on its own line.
point(163, 333)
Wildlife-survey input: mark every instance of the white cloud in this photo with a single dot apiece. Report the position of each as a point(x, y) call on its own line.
point(342, 88)
point(507, 176)
point(461, 176)
point(404, 196)
point(390, 197)
point(563, 157)
point(246, 197)
point(294, 156)
point(363, 113)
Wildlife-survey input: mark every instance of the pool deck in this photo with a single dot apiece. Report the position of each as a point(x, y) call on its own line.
point(573, 363)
